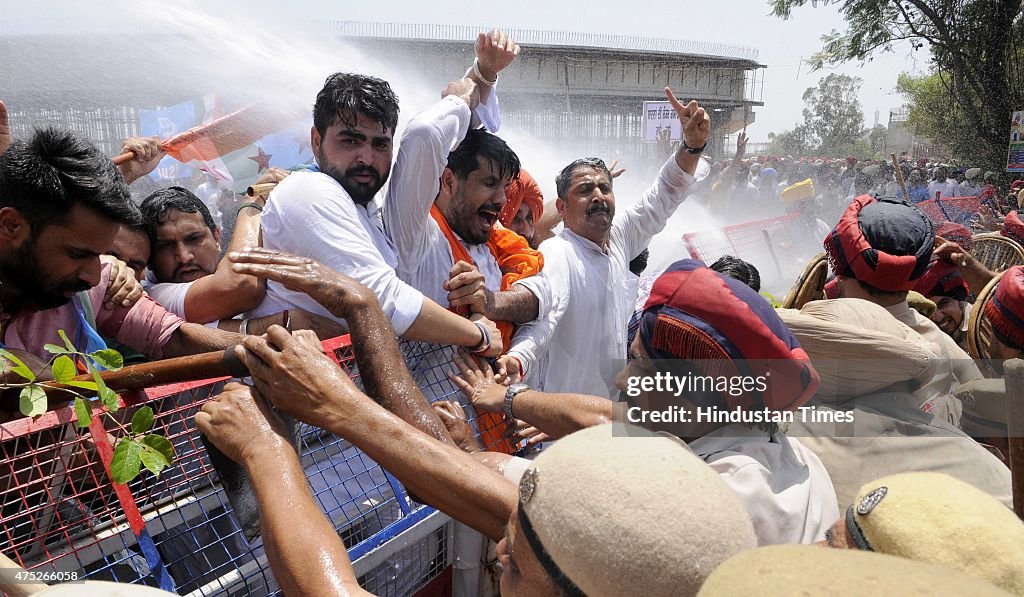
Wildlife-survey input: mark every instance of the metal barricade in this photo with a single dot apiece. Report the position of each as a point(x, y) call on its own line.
point(62, 513)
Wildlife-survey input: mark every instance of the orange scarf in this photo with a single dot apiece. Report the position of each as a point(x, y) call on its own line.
point(514, 256)
point(517, 261)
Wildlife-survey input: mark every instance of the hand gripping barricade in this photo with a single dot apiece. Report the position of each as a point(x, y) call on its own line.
point(62, 516)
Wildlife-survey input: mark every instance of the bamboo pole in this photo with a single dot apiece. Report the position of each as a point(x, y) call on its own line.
point(899, 178)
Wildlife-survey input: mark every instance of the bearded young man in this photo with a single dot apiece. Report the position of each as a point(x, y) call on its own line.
point(330, 214)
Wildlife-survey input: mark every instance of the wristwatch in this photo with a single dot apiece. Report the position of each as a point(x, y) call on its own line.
point(694, 150)
point(511, 393)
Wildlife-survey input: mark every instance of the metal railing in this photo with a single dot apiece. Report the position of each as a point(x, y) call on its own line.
point(468, 33)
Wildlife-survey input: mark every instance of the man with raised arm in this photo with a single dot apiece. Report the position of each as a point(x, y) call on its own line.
point(578, 346)
point(443, 205)
point(330, 214)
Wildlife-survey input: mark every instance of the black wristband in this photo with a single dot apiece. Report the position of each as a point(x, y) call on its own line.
point(694, 150)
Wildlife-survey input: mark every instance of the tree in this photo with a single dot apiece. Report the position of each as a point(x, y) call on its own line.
point(976, 50)
point(876, 140)
point(833, 121)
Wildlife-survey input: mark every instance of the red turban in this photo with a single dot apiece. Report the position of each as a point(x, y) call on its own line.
point(942, 279)
point(723, 327)
point(956, 233)
point(1006, 309)
point(524, 188)
point(1013, 227)
point(885, 244)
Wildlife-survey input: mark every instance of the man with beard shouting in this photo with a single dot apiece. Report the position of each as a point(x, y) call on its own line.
point(331, 214)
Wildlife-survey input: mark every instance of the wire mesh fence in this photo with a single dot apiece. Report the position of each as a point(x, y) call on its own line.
point(61, 513)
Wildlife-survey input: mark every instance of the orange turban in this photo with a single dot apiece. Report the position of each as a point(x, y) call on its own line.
point(525, 188)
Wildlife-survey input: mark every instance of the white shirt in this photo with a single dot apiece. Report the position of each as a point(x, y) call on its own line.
point(172, 297)
point(425, 258)
point(309, 214)
point(967, 189)
point(783, 484)
point(956, 366)
point(580, 345)
point(949, 188)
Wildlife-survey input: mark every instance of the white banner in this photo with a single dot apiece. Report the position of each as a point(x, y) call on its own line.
point(660, 122)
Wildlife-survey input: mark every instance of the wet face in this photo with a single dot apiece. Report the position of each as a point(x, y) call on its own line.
point(522, 574)
point(590, 206)
point(358, 157)
point(949, 314)
point(838, 536)
point(522, 224)
point(186, 249)
point(132, 247)
point(473, 204)
point(49, 266)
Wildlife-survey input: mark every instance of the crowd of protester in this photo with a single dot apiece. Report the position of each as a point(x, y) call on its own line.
point(442, 237)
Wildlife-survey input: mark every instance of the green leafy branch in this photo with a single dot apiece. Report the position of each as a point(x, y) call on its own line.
point(137, 447)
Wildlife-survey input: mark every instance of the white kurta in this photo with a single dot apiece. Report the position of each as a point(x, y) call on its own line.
point(968, 189)
point(580, 346)
point(956, 366)
point(309, 214)
point(949, 188)
point(172, 297)
point(784, 486)
point(424, 256)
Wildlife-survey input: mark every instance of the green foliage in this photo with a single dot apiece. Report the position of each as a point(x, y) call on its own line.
point(136, 448)
point(157, 453)
point(32, 400)
point(833, 121)
point(976, 51)
point(83, 412)
point(126, 462)
point(142, 421)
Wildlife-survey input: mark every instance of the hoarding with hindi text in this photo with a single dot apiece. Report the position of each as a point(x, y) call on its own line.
point(1015, 155)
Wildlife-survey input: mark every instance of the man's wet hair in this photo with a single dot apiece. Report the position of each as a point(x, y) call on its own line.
point(154, 209)
point(346, 95)
point(46, 176)
point(564, 178)
point(481, 144)
point(737, 269)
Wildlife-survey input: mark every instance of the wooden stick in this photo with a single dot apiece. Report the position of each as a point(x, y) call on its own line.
point(1015, 430)
point(771, 251)
point(16, 588)
point(899, 178)
point(181, 369)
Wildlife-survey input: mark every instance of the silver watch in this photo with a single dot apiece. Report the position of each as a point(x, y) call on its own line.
point(510, 394)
